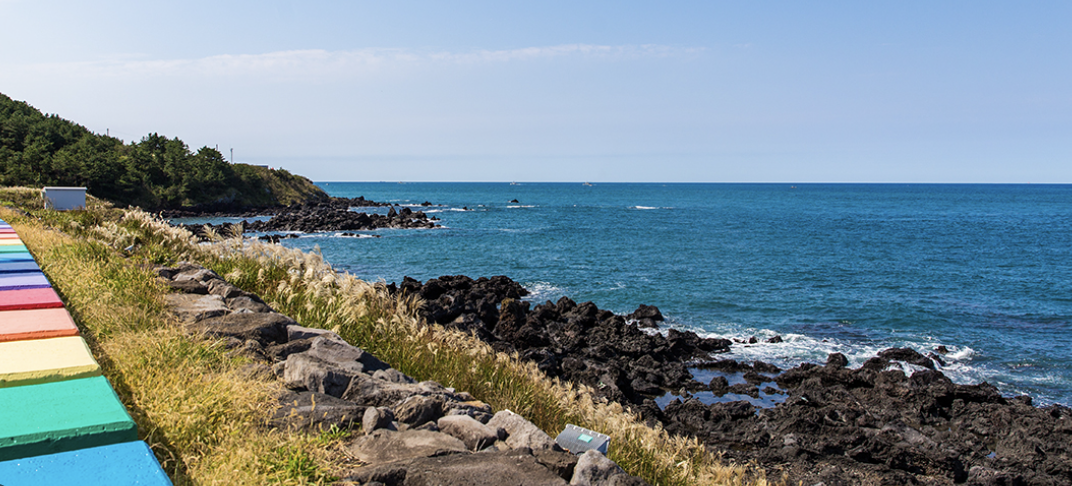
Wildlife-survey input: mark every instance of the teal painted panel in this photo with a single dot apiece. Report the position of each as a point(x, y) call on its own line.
point(13, 249)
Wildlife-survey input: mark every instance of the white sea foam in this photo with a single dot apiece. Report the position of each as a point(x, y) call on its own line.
point(963, 353)
point(649, 207)
point(542, 291)
point(355, 235)
point(521, 206)
point(799, 348)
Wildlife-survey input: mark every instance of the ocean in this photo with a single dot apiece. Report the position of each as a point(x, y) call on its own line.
point(984, 270)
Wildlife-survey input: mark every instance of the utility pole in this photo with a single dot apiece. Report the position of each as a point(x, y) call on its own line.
point(232, 156)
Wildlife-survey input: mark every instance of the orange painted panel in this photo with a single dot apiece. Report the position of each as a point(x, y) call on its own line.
point(18, 325)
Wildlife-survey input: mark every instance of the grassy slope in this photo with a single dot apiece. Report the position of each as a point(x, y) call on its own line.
point(203, 417)
point(283, 188)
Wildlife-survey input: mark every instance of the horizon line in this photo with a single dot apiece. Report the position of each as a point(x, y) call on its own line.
point(688, 182)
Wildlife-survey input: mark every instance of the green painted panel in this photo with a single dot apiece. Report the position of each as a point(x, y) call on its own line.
point(61, 416)
point(13, 249)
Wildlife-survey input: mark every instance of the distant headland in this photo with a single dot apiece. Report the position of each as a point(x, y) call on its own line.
point(155, 173)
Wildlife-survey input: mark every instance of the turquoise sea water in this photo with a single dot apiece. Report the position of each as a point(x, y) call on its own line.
point(985, 270)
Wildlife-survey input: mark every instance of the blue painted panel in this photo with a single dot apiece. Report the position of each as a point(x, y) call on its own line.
point(19, 267)
point(24, 256)
point(130, 463)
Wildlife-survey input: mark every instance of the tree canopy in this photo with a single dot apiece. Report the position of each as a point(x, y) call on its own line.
point(153, 173)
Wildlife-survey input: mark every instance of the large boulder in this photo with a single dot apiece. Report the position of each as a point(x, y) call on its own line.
point(418, 409)
point(328, 366)
point(315, 412)
point(510, 467)
point(195, 307)
point(474, 434)
point(594, 469)
point(378, 393)
point(266, 328)
point(297, 332)
point(245, 303)
point(522, 433)
point(377, 418)
point(384, 445)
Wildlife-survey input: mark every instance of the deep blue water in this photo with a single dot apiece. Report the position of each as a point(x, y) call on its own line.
point(985, 270)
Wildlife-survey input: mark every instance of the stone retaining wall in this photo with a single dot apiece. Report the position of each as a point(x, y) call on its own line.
point(411, 432)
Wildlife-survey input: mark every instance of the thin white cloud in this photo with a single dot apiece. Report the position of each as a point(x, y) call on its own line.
point(321, 64)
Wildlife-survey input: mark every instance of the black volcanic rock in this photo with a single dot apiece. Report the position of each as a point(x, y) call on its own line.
point(325, 215)
point(871, 425)
point(577, 342)
point(646, 316)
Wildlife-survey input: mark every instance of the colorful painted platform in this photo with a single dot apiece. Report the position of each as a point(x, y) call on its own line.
point(19, 325)
point(24, 299)
point(61, 423)
point(37, 361)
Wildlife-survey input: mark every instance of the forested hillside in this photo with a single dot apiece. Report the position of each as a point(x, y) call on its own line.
point(153, 173)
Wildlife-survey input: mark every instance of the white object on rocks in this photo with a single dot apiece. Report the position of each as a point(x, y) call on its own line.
point(578, 439)
point(64, 198)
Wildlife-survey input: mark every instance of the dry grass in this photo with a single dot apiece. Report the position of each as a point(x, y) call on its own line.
point(198, 417)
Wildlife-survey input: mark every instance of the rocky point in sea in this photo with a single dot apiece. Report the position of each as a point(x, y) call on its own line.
point(334, 214)
point(832, 425)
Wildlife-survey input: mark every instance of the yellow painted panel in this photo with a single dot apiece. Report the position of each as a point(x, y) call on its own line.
point(45, 360)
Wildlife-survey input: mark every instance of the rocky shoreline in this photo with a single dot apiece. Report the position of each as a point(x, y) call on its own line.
point(332, 214)
point(832, 425)
point(230, 211)
point(817, 423)
point(411, 432)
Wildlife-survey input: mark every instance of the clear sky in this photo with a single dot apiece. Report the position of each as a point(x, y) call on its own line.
point(855, 91)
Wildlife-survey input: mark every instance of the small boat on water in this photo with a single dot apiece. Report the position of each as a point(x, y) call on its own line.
point(588, 184)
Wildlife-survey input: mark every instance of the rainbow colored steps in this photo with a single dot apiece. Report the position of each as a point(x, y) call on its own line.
point(61, 421)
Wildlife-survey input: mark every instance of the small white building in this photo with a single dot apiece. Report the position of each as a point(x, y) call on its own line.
point(64, 198)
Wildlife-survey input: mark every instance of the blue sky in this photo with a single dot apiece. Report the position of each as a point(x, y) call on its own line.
point(568, 91)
